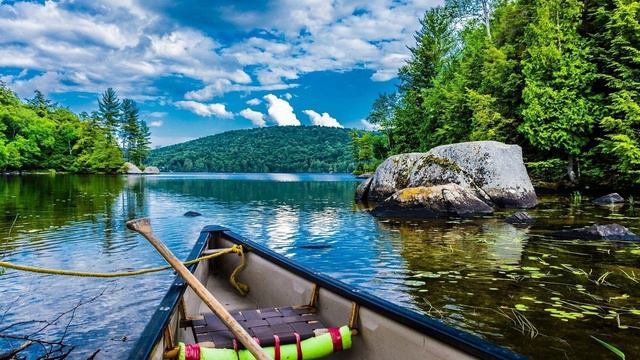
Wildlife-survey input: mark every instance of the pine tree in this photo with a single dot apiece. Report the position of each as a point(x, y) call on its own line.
point(617, 38)
point(140, 147)
point(130, 128)
point(558, 111)
point(109, 112)
point(40, 104)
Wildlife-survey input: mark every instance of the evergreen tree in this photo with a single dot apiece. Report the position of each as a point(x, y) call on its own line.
point(140, 145)
point(558, 112)
point(617, 47)
point(130, 128)
point(40, 104)
point(109, 111)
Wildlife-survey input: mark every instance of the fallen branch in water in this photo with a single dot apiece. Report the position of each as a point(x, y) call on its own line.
point(50, 349)
point(11, 353)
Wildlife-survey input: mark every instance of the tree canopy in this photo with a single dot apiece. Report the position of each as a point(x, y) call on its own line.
point(270, 149)
point(38, 134)
point(558, 77)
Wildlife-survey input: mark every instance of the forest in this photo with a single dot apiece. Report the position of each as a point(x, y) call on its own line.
point(37, 134)
point(561, 78)
point(270, 149)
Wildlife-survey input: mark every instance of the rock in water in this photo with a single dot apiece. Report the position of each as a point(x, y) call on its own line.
point(192, 214)
point(432, 202)
point(598, 232)
point(151, 170)
point(130, 168)
point(493, 170)
point(520, 217)
point(362, 191)
point(613, 198)
point(364, 175)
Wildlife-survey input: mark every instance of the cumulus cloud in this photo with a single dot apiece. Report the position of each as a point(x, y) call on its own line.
point(369, 126)
point(256, 117)
point(280, 111)
point(254, 102)
point(88, 46)
point(201, 109)
point(157, 123)
point(322, 120)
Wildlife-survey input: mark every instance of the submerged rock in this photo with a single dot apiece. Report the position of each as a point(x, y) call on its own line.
point(151, 170)
point(192, 214)
point(315, 246)
point(494, 171)
point(598, 232)
point(610, 199)
point(362, 191)
point(521, 217)
point(130, 168)
point(432, 202)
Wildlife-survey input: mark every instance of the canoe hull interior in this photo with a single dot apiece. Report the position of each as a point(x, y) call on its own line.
point(385, 331)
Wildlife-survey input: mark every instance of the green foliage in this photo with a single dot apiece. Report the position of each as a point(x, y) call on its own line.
point(369, 150)
point(37, 135)
point(271, 149)
point(109, 111)
point(134, 133)
point(558, 77)
point(551, 170)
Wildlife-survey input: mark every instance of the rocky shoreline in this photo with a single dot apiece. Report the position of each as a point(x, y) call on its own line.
point(465, 180)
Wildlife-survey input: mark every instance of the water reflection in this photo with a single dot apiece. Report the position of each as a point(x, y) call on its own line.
point(482, 275)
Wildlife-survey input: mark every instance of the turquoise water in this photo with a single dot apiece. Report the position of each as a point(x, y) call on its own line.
point(496, 280)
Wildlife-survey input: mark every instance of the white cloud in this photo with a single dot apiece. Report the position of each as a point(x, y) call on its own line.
point(280, 111)
point(256, 117)
point(254, 102)
point(201, 109)
point(322, 120)
point(157, 114)
point(369, 126)
point(287, 96)
point(128, 45)
point(157, 123)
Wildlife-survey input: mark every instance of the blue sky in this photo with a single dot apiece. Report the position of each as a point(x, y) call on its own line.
point(202, 67)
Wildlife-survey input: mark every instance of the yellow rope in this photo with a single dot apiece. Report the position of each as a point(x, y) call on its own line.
point(242, 288)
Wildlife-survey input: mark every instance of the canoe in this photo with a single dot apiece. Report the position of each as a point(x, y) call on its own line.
point(282, 290)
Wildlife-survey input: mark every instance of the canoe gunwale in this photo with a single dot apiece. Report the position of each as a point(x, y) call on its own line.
point(460, 339)
point(153, 331)
point(465, 341)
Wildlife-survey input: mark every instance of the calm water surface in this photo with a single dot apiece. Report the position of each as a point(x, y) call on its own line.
point(514, 286)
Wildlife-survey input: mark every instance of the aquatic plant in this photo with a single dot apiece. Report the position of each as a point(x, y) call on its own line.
point(610, 347)
point(576, 198)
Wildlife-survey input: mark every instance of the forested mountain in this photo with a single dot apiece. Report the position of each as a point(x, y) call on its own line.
point(269, 149)
point(37, 134)
point(561, 78)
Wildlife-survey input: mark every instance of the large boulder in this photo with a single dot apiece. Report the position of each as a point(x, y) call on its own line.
point(598, 232)
point(151, 170)
point(130, 168)
point(432, 202)
point(493, 170)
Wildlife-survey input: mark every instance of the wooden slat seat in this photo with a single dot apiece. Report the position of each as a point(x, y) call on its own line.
point(262, 324)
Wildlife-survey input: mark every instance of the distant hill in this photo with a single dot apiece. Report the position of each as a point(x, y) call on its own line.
point(269, 149)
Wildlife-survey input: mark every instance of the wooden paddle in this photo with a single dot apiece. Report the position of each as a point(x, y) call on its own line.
point(143, 226)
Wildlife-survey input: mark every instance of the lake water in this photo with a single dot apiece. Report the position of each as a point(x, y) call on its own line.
point(514, 286)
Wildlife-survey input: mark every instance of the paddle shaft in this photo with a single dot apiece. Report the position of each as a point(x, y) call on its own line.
point(143, 227)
